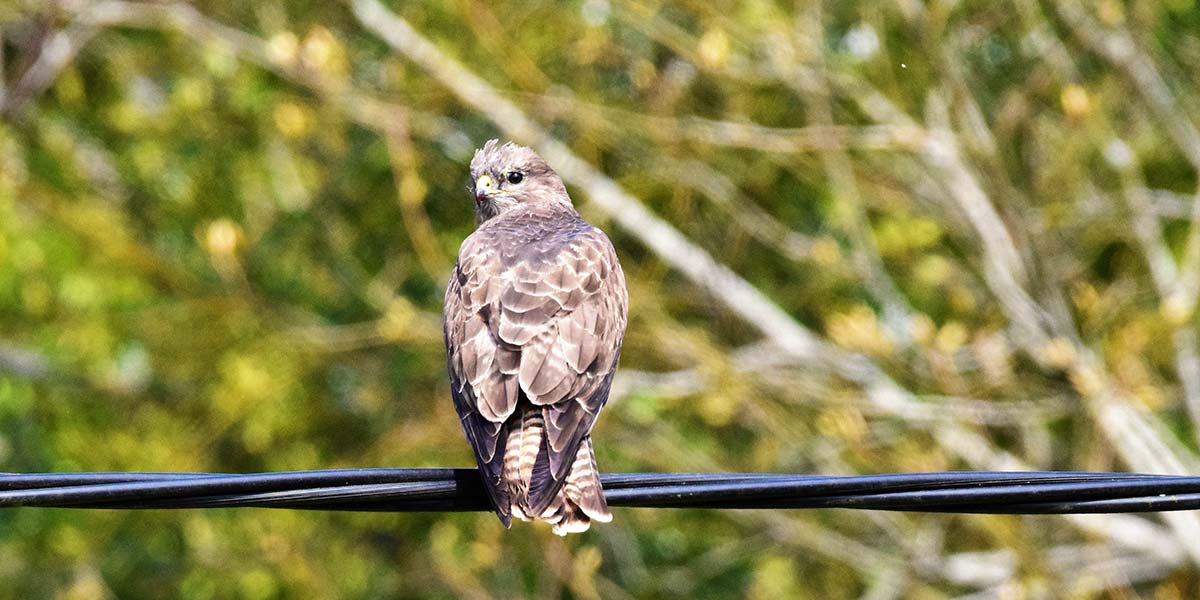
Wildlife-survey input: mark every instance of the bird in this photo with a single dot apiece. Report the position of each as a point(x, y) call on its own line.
point(534, 317)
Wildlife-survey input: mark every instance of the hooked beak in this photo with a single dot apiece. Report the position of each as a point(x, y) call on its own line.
point(484, 187)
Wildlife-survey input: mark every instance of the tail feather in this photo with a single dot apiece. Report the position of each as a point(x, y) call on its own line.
point(571, 520)
point(583, 484)
point(525, 441)
point(581, 500)
point(570, 506)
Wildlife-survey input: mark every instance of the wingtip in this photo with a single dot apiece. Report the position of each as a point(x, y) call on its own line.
point(542, 498)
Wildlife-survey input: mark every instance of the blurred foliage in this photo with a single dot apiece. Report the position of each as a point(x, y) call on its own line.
point(224, 249)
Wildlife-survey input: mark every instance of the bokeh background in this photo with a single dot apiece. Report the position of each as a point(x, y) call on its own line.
point(860, 238)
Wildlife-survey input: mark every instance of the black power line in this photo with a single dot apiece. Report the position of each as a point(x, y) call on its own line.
point(1039, 492)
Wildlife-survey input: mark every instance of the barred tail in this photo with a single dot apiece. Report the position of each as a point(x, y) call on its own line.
point(583, 488)
point(577, 503)
point(526, 438)
point(581, 500)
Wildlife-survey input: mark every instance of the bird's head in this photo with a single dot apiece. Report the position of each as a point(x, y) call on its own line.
point(505, 176)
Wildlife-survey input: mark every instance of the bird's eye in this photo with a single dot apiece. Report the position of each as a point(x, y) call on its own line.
point(515, 176)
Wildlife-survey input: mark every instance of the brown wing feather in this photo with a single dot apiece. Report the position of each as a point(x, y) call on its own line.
point(464, 295)
point(540, 320)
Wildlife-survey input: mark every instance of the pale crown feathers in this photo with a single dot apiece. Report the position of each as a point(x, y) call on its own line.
point(505, 176)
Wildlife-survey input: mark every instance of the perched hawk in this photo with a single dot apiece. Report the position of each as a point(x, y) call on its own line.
point(534, 317)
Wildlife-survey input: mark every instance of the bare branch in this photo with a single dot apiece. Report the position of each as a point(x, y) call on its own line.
point(24, 363)
point(1003, 267)
point(815, 91)
point(57, 51)
point(1133, 432)
point(1162, 271)
point(1169, 204)
point(1118, 47)
point(741, 134)
point(1136, 435)
point(3, 74)
point(783, 373)
point(723, 192)
point(410, 190)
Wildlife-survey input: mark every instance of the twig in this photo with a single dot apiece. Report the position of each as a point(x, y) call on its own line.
point(723, 192)
point(1023, 311)
point(646, 19)
point(23, 362)
point(1163, 272)
point(1133, 433)
point(760, 361)
point(1169, 204)
point(3, 73)
point(56, 52)
point(1119, 49)
point(897, 314)
point(1004, 270)
point(821, 137)
point(410, 192)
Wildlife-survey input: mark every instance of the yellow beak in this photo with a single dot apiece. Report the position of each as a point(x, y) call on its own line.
point(484, 185)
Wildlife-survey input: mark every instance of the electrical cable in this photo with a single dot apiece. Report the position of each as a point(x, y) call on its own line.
point(434, 489)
